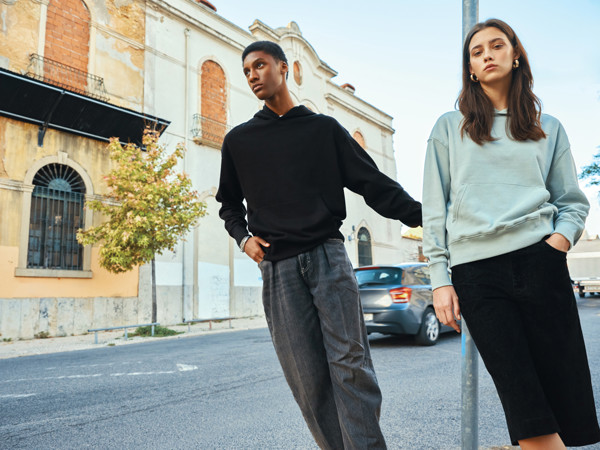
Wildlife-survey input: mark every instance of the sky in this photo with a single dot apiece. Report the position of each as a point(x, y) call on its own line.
point(404, 57)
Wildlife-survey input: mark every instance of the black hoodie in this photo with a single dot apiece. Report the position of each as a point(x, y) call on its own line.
point(292, 170)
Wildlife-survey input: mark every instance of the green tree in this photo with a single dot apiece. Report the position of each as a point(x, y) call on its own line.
point(591, 172)
point(149, 207)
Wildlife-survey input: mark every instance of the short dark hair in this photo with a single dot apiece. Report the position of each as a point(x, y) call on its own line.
point(270, 48)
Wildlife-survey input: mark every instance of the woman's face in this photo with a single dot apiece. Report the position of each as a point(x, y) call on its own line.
point(492, 56)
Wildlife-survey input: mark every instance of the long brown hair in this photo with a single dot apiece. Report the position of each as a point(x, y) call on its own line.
point(524, 108)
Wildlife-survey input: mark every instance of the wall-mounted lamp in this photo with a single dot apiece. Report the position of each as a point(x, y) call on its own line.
point(351, 236)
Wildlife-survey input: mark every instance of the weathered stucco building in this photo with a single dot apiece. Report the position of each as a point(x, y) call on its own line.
point(74, 73)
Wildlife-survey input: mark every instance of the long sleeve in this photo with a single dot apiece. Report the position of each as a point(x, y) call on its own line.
point(436, 191)
point(231, 198)
point(361, 175)
point(565, 194)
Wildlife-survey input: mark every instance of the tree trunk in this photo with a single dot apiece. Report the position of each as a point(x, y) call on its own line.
point(154, 290)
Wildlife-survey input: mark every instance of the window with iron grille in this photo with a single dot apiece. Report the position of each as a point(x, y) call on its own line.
point(365, 256)
point(56, 215)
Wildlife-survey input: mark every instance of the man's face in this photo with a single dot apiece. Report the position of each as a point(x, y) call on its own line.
point(265, 75)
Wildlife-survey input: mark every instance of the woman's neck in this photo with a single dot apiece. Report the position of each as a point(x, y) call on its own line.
point(498, 93)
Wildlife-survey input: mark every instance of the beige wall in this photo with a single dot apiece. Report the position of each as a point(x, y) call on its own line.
point(118, 35)
point(63, 305)
point(19, 33)
point(20, 153)
point(102, 283)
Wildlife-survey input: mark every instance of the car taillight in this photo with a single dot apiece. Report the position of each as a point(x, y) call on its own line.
point(401, 295)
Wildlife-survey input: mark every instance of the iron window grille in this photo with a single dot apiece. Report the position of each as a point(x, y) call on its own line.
point(66, 77)
point(207, 131)
point(56, 214)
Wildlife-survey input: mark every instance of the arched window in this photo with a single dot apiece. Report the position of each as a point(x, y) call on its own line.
point(68, 43)
point(213, 104)
point(358, 137)
point(297, 73)
point(365, 256)
point(56, 215)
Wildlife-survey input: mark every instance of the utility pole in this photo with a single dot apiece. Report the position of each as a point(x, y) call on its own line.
point(470, 356)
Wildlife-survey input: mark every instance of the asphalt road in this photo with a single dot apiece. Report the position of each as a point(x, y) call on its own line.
point(227, 391)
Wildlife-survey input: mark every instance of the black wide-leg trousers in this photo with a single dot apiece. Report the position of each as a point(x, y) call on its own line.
point(522, 315)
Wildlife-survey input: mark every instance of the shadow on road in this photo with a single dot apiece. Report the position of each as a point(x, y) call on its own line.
point(589, 302)
point(383, 340)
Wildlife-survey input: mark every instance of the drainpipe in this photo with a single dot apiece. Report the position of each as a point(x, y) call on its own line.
point(184, 285)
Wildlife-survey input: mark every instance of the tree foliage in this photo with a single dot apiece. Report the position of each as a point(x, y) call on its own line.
point(149, 205)
point(591, 172)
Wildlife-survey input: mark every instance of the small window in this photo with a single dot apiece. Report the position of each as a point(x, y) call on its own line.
point(358, 137)
point(297, 73)
point(56, 214)
point(365, 255)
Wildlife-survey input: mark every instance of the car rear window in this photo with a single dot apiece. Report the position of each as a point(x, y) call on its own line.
point(416, 275)
point(379, 276)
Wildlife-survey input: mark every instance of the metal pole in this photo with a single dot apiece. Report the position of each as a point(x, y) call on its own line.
point(470, 392)
point(470, 356)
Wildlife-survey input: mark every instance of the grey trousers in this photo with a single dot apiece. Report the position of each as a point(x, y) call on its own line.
point(316, 322)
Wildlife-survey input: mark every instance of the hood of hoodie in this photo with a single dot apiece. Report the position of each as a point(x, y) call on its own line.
point(297, 111)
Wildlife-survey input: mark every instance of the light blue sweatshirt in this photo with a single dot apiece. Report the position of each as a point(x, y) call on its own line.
point(484, 201)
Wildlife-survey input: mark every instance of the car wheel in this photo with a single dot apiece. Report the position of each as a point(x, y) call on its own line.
point(429, 332)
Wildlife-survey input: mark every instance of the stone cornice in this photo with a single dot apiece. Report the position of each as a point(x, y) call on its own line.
point(14, 185)
point(160, 4)
point(292, 33)
point(335, 99)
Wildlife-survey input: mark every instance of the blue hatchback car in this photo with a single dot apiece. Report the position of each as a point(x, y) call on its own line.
point(398, 300)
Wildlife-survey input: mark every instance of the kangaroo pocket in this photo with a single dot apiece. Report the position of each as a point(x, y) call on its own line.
point(488, 208)
point(296, 221)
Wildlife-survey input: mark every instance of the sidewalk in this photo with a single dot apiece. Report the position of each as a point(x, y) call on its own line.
point(30, 347)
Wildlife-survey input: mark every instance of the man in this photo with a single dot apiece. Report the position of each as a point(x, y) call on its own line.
point(291, 165)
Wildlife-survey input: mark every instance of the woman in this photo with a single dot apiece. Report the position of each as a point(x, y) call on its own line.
point(501, 207)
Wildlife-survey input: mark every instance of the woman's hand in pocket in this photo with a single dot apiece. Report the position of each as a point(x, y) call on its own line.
point(559, 242)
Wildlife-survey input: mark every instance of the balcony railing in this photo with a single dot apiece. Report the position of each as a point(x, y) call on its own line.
point(207, 131)
point(67, 77)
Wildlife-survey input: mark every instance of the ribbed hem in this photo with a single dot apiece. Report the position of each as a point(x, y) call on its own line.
point(503, 241)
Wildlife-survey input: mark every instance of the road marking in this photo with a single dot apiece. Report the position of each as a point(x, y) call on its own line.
point(180, 368)
point(94, 365)
point(17, 395)
point(61, 377)
point(140, 373)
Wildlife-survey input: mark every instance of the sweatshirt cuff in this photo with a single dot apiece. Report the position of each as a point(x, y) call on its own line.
point(439, 275)
point(569, 230)
point(240, 234)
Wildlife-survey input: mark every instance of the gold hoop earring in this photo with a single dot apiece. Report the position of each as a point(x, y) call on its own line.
point(474, 78)
point(515, 63)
